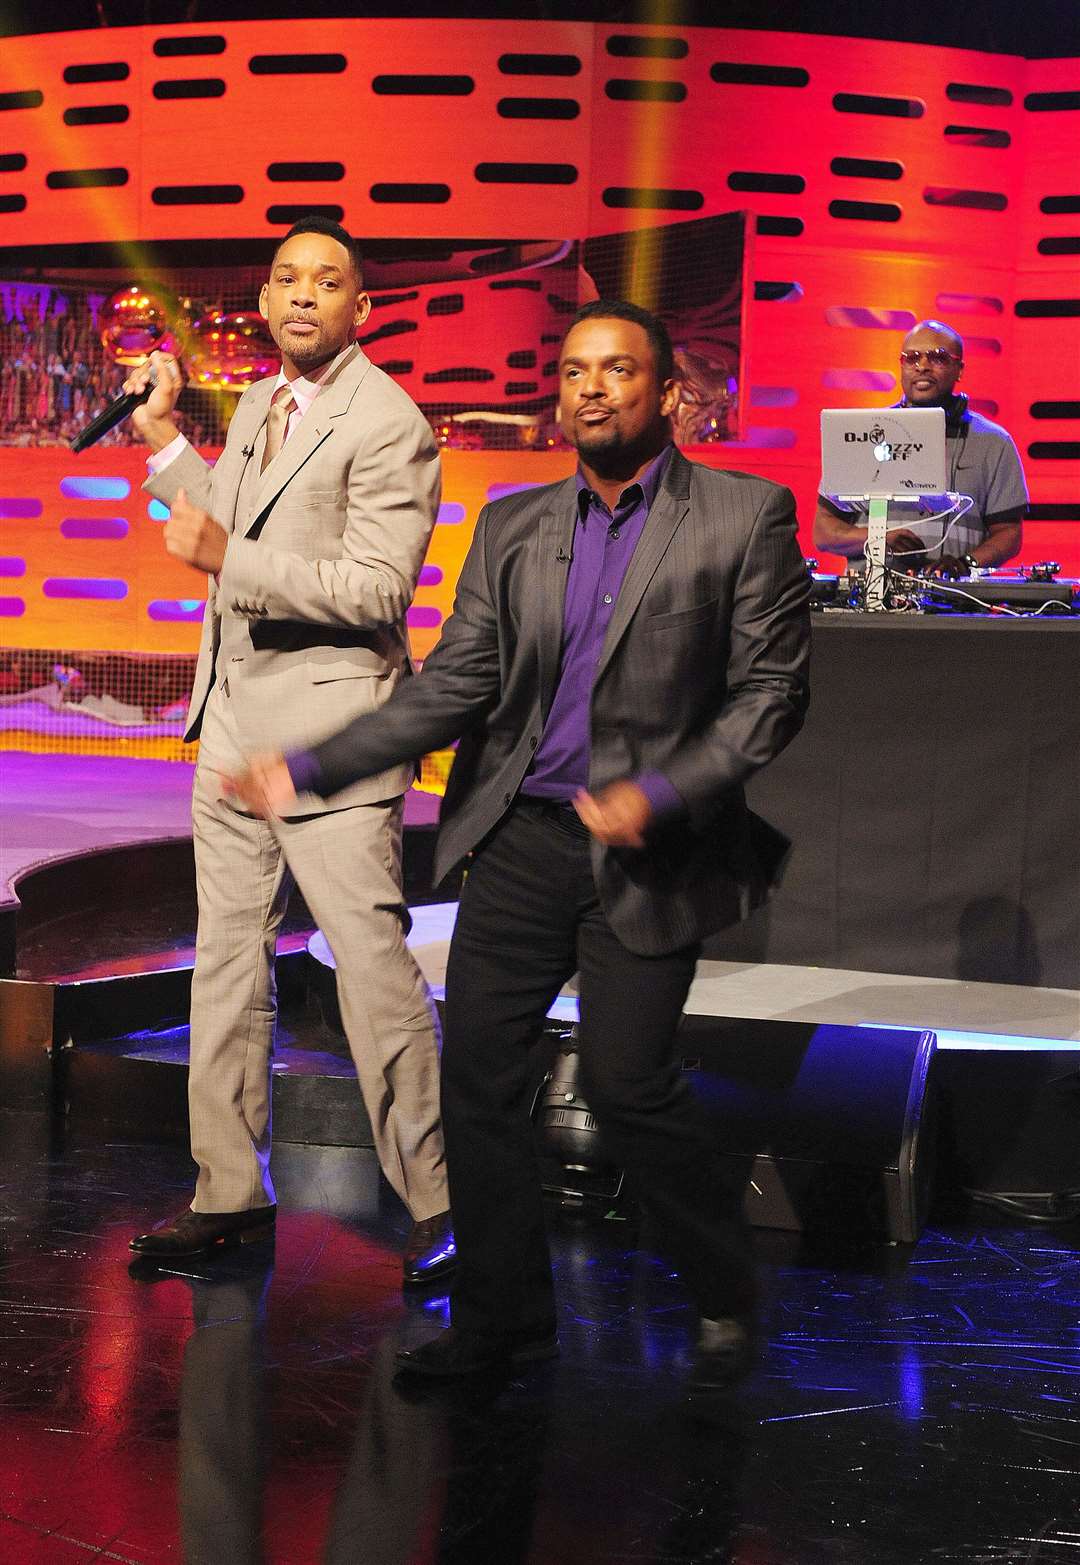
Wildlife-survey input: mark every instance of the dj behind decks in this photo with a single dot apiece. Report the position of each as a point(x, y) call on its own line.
point(982, 463)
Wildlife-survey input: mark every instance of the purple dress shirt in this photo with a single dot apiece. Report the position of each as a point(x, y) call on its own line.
point(604, 545)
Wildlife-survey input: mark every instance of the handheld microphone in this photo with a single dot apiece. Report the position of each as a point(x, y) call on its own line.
point(114, 414)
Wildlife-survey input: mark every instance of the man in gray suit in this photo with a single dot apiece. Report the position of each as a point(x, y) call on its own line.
point(312, 528)
point(627, 647)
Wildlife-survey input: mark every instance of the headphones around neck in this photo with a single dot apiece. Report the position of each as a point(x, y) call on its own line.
point(956, 406)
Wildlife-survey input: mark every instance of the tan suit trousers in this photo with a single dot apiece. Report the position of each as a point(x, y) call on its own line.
point(347, 863)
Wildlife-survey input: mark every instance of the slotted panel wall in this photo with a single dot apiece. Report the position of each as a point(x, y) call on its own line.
point(887, 182)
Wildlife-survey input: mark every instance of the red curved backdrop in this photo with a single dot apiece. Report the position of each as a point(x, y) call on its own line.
point(886, 181)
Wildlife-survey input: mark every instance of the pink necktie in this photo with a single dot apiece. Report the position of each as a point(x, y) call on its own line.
point(282, 404)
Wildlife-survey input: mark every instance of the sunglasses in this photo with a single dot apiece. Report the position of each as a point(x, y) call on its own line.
point(914, 356)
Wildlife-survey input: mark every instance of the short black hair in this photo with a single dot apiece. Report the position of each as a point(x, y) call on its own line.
point(651, 325)
point(316, 223)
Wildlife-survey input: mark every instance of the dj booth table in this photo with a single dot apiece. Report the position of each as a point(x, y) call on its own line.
point(933, 798)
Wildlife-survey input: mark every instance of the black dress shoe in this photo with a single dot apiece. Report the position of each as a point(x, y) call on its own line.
point(430, 1251)
point(200, 1233)
point(455, 1353)
point(724, 1355)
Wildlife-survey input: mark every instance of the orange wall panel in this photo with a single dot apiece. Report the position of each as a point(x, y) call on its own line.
point(425, 138)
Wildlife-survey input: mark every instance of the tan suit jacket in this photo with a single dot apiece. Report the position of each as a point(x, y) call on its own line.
point(324, 550)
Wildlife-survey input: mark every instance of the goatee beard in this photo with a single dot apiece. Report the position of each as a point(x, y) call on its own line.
point(614, 458)
point(309, 355)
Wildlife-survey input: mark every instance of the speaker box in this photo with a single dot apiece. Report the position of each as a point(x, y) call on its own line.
point(1011, 1120)
point(836, 1127)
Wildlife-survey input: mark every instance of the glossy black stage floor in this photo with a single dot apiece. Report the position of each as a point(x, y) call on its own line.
point(913, 1405)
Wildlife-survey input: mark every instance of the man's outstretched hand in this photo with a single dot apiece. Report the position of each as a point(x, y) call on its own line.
point(618, 815)
point(264, 789)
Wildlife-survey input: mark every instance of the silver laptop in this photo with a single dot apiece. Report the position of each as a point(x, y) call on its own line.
point(895, 452)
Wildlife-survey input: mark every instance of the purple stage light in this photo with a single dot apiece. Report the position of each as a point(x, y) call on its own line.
point(94, 489)
point(18, 508)
point(773, 396)
point(858, 380)
point(969, 304)
point(499, 491)
point(185, 610)
point(94, 527)
point(869, 319)
point(100, 587)
point(760, 437)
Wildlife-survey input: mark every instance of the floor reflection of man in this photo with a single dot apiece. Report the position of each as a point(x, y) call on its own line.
point(450, 1478)
point(221, 1464)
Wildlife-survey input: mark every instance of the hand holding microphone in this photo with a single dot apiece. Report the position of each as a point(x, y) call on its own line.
point(150, 395)
point(152, 415)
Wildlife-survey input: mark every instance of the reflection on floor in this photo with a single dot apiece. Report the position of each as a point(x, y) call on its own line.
point(911, 1406)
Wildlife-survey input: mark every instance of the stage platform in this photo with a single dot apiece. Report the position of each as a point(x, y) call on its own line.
point(66, 819)
point(965, 1015)
point(53, 807)
point(65, 809)
point(97, 928)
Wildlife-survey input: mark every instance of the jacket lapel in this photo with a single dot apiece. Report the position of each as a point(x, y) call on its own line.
point(554, 543)
point(248, 420)
point(665, 518)
point(333, 401)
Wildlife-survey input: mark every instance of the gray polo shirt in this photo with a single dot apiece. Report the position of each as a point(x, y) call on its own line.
point(983, 463)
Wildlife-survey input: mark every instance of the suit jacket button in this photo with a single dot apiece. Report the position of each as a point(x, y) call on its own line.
point(508, 798)
point(533, 742)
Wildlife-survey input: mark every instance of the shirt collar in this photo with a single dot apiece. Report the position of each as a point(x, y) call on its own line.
point(647, 485)
point(305, 388)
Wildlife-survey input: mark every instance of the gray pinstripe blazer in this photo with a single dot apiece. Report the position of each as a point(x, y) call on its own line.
point(702, 676)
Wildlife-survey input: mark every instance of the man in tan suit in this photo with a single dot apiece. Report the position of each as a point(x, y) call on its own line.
point(312, 529)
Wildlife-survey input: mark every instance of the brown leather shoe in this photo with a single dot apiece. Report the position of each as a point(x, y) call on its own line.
point(430, 1251)
point(199, 1233)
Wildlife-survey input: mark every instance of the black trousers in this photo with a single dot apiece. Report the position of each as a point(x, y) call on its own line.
point(529, 918)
